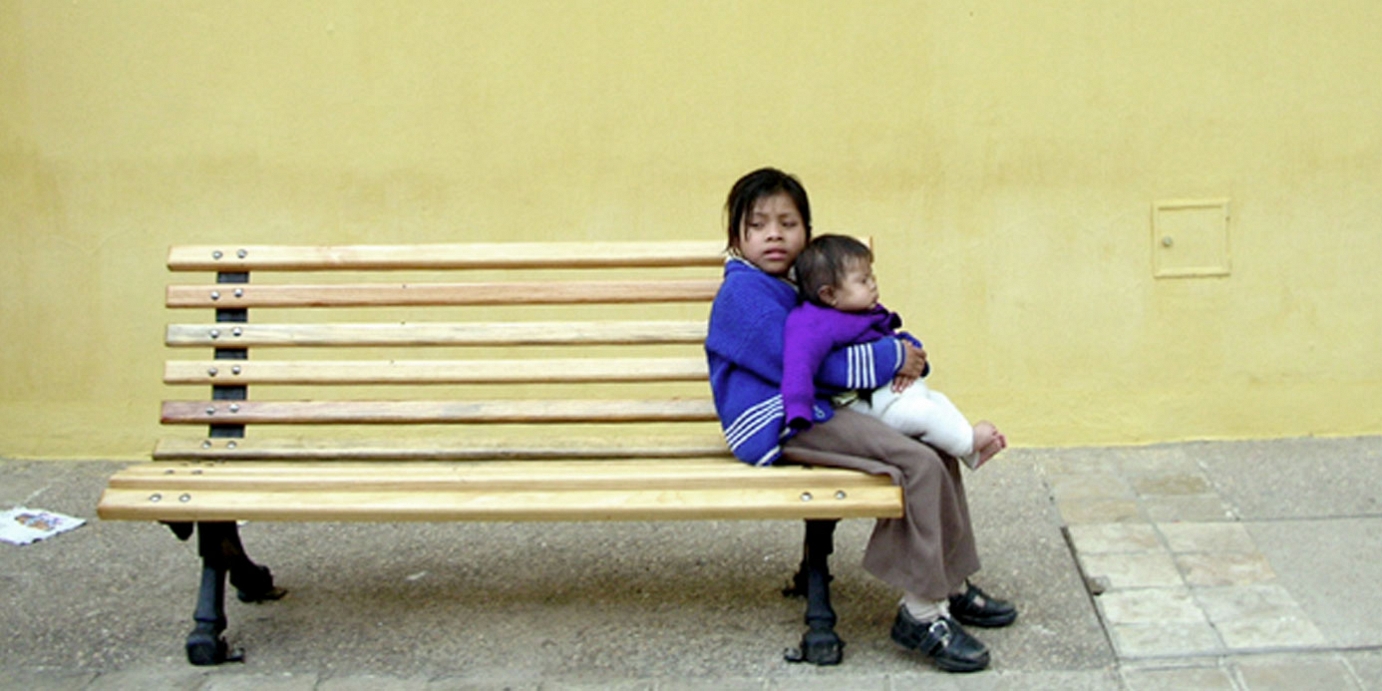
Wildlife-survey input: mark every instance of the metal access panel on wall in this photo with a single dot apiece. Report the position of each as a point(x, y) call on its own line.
point(1190, 237)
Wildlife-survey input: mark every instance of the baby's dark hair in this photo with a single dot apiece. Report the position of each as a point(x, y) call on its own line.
point(825, 261)
point(761, 183)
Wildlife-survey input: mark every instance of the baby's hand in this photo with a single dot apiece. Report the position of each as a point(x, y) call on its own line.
point(902, 381)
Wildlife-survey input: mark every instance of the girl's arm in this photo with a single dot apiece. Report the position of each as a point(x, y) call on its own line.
point(862, 366)
point(746, 327)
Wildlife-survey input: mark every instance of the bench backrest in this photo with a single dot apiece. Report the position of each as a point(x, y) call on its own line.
point(467, 351)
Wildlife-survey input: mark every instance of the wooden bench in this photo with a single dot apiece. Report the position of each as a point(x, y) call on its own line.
point(479, 382)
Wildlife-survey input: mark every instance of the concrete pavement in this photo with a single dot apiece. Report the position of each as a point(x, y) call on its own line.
point(1229, 565)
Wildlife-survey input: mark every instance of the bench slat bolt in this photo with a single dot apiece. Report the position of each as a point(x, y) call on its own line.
point(242, 253)
point(216, 254)
point(806, 496)
point(215, 295)
point(211, 371)
point(840, 494)
point(155, 497)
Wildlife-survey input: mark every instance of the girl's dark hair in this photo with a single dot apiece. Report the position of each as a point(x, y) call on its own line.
point(761, 183)
point(825, 261)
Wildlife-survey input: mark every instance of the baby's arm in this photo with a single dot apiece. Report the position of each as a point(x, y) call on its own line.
point(803, 349)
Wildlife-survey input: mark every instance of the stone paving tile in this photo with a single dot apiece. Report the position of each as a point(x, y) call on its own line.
point(712, 684)
point(1003, 680)
point(1258, 617)
point(369, 682)
point(1079, 511)
point(142, 678)
point(1201, 678)
point(1115, 538)
point(1207, 537)
point(1161, 484)
point(45, 681)
point(1151, 605)
point(836, 682)
point(1296, 672)
point(1089, 486)
point(1142, 570)
point(1165, 639)
point(1201, 508)
point(1229, 568)
point(1366, 666)
point(235, 681)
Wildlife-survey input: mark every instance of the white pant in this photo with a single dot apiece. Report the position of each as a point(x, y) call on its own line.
point(925, 414)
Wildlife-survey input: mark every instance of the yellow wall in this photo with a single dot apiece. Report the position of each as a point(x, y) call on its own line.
point(1006, 156)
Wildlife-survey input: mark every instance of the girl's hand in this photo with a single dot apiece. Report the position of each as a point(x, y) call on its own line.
point(913, 365)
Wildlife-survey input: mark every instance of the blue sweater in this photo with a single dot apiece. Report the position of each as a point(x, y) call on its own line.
point(744, 348)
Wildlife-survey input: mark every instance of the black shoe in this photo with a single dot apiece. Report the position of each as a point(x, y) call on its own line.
point(975, 608)
point(943, 640)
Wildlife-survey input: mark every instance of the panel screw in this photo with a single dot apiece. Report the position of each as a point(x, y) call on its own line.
point(206, 444)
point(1166, 241)
point(242, 253)
point(806, 496)
point(235, 369)
point(216, 254)
point(231, 445)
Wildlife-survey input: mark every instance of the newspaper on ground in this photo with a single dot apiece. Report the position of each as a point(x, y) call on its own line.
point(21, 526)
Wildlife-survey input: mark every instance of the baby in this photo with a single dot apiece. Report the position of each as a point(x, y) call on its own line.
point(834, 275)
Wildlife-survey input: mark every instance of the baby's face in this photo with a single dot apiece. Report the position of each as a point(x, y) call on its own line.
point(858, 292)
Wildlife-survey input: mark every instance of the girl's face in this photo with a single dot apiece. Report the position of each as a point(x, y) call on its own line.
point(772, 234)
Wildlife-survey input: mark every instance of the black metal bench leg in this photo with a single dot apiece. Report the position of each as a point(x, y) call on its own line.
point(205, 646)
point(223, 555)
point(820, 645)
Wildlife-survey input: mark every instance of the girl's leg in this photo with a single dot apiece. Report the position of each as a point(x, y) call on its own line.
point(930, 551)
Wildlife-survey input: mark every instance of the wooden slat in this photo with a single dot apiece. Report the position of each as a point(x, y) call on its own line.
point(556, 255)
point(435, 412)
point(411, 448)
point(438, 334)
point(360, 372)
point(441, 294)
point(584, 490)
point(594, 505)
point(494, 476)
